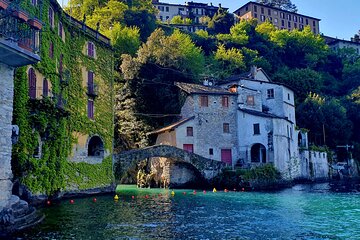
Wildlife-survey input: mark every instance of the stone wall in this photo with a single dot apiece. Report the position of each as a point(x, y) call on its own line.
point(123, 161)
point(6, 112)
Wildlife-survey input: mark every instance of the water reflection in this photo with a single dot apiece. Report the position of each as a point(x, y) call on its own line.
point(302, 212)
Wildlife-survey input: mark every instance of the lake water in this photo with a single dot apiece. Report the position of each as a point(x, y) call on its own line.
point(302, 212)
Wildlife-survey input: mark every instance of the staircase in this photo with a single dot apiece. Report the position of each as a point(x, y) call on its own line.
point(17, 216)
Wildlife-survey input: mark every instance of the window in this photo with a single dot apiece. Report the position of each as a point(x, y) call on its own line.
point(269, 12)
point(314, 30)
point(255, 15)
point(45, 88)
point(246, 8)
point(255, 8)
point(225, 101)
point(34, 2)
point(289, 24)
point(270, 93)
point(250, 100)
point(161, 18)
point(307, 21)
point(204, 101)
point(262, 10)
point(226, 128)
point(262, 18)
point(90, 109)
point(276, 20)
point(275, 12)
point(167, 9)
point(314, 24)
point(295, 25)
point(301, 19)
point(289, 17)
point(51, 50)
point(295, 18)
point(91, 49)
point(189, 131)
point(188, 147)
point(90, 82)
point(32, 83)
point(282, 23)
point(51, 17)
point(167, 17)
point(211, 151)
point(60, 29)
point(256, 129)
point(282, 15)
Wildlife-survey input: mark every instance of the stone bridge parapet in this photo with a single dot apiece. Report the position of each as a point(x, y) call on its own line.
point(209, 168)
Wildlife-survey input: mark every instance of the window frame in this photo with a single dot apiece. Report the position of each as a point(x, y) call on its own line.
point(250, 100)
point(270, 93)
point(189, 131)
point(256, 129)
point(226, 127)
point(225, 101)
point(90, 49)
point(204, 101)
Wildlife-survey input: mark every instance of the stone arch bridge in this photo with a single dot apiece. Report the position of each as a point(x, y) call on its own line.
point(207, 167)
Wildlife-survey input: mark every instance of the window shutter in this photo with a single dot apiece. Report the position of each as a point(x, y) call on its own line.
point(90, 109)
point(32, 83)
point(90, 82)
point(45, 87)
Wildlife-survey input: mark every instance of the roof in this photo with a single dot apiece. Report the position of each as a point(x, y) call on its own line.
point(172, 126)
point(332, 41)
point(262, 114)
point(191, 88)
point(275, 8)
point(232, 79)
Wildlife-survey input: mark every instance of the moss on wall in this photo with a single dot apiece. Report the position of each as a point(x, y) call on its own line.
point(47, 122)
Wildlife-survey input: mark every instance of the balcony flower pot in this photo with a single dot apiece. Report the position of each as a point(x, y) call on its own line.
point(35, 23)
point(24, 16)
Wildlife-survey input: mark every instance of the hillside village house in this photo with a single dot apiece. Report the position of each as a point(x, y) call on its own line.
point(245, 121)
point(281, 19)
point(192, 10)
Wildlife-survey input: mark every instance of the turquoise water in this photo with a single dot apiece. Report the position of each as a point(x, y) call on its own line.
point(303, 212)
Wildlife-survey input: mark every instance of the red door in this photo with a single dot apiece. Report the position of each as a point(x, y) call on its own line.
point(189, 147)
point(226, 156)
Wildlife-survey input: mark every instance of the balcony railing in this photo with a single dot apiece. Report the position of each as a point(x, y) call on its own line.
point(16, 26)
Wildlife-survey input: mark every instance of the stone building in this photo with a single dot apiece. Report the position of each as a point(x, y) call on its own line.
point(245, 121)
point(193, 10)
point(19, 46)
point(336, 44)
point(281, 19)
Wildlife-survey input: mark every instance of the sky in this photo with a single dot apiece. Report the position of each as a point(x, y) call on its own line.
point(339, 18)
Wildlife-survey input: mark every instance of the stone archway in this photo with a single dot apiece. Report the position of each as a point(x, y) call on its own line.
point(96, 147)
point(258, 153)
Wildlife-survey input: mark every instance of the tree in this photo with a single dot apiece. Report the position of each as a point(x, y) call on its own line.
point(231, 61)
point(282, 4)
point(179, 20)
point(221, 22)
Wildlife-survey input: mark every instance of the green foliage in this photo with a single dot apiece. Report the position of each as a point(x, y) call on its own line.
point(125, 40)
point(179, 20)
point(221, 22)
point(46, 124)
point(282, 4)
point(231, 60)
point(303, 81)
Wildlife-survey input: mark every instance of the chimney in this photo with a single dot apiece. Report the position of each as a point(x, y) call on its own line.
point(219, 5)
point(253, 71)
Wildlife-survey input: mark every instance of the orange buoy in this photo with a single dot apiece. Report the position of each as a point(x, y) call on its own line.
point(94, 199)
point(72, 201)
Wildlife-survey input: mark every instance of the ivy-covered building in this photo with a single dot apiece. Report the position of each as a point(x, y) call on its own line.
point(63, 106)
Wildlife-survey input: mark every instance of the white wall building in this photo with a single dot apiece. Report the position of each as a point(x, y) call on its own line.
point(245, 122)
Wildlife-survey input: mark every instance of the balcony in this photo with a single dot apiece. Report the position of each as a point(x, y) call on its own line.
point(19, 35)
point(93, 90)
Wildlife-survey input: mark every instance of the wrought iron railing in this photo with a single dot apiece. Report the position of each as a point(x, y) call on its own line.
point(17, 26)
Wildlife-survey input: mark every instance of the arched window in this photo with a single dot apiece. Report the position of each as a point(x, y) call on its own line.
point(32, 83)
point(45, 88)
point(258, 153)
point(96, 147)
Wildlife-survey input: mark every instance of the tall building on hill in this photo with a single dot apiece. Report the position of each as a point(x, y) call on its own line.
point(336, 44)
point(281, 19)
point(193, 10)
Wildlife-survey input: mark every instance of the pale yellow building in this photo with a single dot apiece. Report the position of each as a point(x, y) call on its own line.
point(280, 18)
